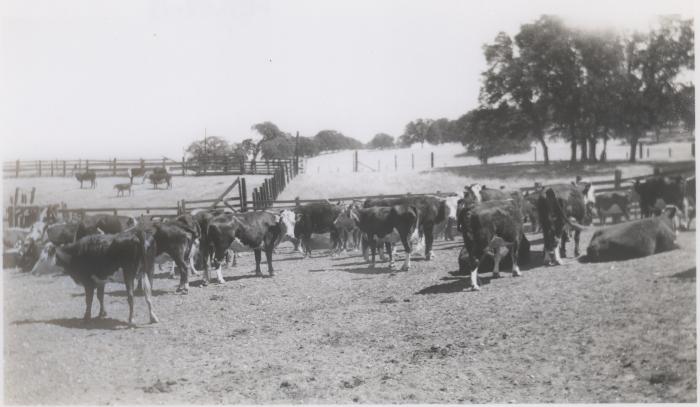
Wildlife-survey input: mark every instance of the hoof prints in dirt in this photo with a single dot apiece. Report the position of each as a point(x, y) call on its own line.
point(160, 387)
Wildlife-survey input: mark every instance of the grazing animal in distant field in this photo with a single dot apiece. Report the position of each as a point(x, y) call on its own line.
point(88, 175)
point(93, 259)
point(136, 172)
point(634, 239)
point(160, 176)
point(121, 188)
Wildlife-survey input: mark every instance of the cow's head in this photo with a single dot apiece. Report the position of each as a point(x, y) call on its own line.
point(287, 221)
point(552, 221)
point(221, 235)
point(473, 192)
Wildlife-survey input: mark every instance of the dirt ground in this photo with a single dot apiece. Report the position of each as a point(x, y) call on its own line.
point(332, 330)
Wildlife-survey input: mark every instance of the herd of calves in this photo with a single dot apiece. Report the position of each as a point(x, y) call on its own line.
point(491, 222)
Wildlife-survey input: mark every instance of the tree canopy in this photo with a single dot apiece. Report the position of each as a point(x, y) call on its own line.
point(381, 141)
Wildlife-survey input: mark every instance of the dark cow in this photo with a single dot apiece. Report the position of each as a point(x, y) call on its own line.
point(630, 240)
point(160, 176)
point(492, 228)
point(378, 222)
point(259, 230)
point(136, 172)
point(93, 259)
point(613, 204)
point(62, 233)
point(690, 198)
point(88, 175)
point(560, 207)
point(177, 238)
point(203, 217)
point(316, 218)
point(431, 211)
point(657, 192)
point(103, 223)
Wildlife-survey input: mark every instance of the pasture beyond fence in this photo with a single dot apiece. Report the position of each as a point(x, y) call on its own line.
point(119, 167)
point(265, 196)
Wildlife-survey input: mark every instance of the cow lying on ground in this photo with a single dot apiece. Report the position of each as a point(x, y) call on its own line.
point(88, 175)
point(630, 240)
point(259, 230)
point(121, 188)
point(93, 259)
point(431, 211)
point(316, 218)
point(559, 208)
point(612, 204)
point(378, 223)
point(492, 228)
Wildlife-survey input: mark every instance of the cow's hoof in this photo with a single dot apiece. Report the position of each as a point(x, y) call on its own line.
point(102, 314)
point(154, 319)
point(258, 274)
point(272, 273)
point(496, 275)
point(517, 274)
point(577, 253)
point(404, 268)
point(476, 288)
point(221, 281)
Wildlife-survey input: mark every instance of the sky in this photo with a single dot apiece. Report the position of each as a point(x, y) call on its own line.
point(128, 79)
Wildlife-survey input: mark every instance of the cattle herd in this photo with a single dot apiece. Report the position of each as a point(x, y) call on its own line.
point(158, 175)
point(491, 221)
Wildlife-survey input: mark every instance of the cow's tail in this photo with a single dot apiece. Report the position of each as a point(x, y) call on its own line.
point(560, 211)
point(147, 256)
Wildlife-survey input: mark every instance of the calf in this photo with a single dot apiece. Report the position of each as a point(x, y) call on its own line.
point(630, 240)
point(491, 228)
point(380, 221)
point(88, 175)
point(93, 259)
point(121, 188)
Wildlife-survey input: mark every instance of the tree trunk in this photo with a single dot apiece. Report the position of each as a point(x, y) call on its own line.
point(634, 137)
point(545, 149)
point(584, 149)
point(574, 142)
point(592, 144)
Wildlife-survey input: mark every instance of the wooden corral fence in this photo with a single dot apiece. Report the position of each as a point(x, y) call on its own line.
point(119, 167)
point(265, 195)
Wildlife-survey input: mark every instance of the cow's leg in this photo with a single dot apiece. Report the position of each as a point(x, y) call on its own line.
point(514, 255)
point(306, 242)
point(268, 256)
point(184, 273)
point(497, 263)
point(547, 257)
point(407, 248)
point(557, 251)
point(562, 245)
point(389, 249)
point(365, 245)
point(129, 282)
point(577, 238)
point(101, 299)
point(475, 279)
point(89, 293)
point(429, 242)
point(373, 246)
point(147, 293)
point(258, 257)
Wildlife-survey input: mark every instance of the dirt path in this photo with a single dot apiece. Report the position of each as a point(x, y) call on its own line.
point(333, 331)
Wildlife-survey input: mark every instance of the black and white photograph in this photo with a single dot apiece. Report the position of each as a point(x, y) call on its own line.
point(221, 202)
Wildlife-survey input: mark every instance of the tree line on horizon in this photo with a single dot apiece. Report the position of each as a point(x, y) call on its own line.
point(549, 81)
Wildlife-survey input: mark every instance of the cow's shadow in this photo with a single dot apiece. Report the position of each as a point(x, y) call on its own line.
point(455, 285)
point(122, 293)
point(368, 270)
point(78, 323)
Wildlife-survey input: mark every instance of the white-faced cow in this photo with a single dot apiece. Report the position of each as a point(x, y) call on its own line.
point(88, 175)
point(634, 239)
point(259, 230)
point(493, 229)
point(431, 211)
point(93, 259)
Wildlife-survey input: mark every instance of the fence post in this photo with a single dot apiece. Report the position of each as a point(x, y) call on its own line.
point(143, 164)
point(413, 161)
point(432, 159)
point(87, 165)
point(114, 167)
point(52, 168)
point(39, 162)
point(641, 147)
point(535, 153)
point(647, 152)
point(618, 178)
point(64, 168)
point(657, 170)
point(244, 195)
point(669, 152)
point(31, 196)
point(183, 166)
point(17, 169)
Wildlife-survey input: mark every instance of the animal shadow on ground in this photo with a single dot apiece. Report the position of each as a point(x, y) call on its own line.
point(685, 275)
point(367, 270)
point(455, 285)
point(122, 293)
point(78, 323)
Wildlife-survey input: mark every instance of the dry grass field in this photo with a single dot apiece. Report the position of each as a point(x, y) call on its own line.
point(331, 330)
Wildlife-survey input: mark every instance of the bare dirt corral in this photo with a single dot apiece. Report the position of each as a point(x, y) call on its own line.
point(331, 330)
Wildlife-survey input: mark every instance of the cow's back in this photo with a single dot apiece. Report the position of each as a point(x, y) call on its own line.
point(634, 239)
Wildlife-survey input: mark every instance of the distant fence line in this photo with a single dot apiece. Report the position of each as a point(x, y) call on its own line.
point(117, 167)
